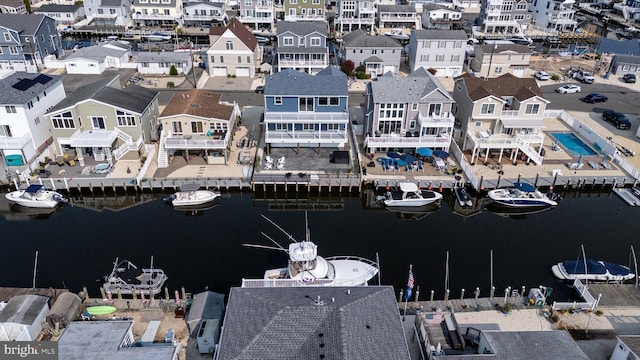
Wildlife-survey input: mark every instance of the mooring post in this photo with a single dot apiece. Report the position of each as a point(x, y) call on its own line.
point(477, 293)
point(493, 290)
point(535, 183)
point(446, 295)
point(432, 294)
point(462, 294)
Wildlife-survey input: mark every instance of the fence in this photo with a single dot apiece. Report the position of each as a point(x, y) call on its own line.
point(589, 303)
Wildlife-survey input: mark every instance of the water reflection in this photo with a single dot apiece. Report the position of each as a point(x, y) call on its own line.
point(21, 213)
point(414, 213)
point(515, 213)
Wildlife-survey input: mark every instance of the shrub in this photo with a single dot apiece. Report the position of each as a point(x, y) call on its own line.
point(347, 67)
point(171, 84)
point(173, 71)
point(555, 77)
point(361, 75)
point(143, 159)
point(361, 69)
point(233, 76)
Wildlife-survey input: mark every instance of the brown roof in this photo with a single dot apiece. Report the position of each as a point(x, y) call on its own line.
point(500, 48)
point(198, 102)
point(239, 30)
point(503, 86)
point(12, 3)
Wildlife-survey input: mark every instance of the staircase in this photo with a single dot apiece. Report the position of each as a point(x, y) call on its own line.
point(163, 158)
point(530, 152)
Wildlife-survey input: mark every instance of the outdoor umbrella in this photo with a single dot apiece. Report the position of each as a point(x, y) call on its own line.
point(424, 151)
point(580, 159)
point(408, 158)
point(393, 154)
point(441, 154)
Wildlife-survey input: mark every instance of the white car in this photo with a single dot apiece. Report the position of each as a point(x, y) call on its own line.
point(541, 75)
point(569, 89)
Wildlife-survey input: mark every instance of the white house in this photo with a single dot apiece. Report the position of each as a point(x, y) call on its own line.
point(96, 59)
point(234, 51)
point(22, 318)
point(442, 50)
point(436, 16)
point(108, 12)
point(160, 63)
point(62, 14)
point(204, 13)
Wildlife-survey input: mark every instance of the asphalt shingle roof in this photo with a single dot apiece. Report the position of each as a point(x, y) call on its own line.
point(440, 34)
point(359, 38)
point(110, 3)
point(391, 88)
point(58, 8)
point(25, 24)
point(97, 53)
point(313, 323)
point(12, 3)
point(292, 82)
point(500, 48)
point(165, 56)
point(506, 85)
point(199, 103)
point(302, 28)
point(23, 309)
point(396, 8)
point(12, 96)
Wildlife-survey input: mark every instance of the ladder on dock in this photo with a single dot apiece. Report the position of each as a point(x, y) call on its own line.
point(590, 303)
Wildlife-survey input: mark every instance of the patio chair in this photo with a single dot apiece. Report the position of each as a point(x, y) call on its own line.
point(396, 167)
point(420, 168)
point(280, 166)
point(268, 166)
point(409, 167)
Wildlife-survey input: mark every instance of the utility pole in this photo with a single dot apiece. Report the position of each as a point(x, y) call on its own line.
point(493, 48)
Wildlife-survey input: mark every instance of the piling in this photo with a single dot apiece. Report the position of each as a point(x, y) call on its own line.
point(184, 294)
point(481, 181)
point(462, 294)
point(446, 295)
point(477, 293)
point(519, 176)
point(431, 297)
point(104, 295)
point(102, 187)
point(535, 183)
point(119, 293)
point(400, 296)
point(166, 293)
point(498, 182)
point(493, 290)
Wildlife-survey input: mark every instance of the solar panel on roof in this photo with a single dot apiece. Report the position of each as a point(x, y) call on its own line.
point(23, 84)
point(43, 79)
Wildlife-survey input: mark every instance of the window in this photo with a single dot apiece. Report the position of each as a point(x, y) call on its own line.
point(239, 59)
point(477, 124)
point(532, 109)
point(293, 2)
point(10, 109)
point(13, 50)
point(63, 121)
point(287, 41)
point(98, 122)
point(391, 111)
point(424, 57)
point(7, 37)
point(325, 101)
point(308, 127)
point(248, 59)
point(435, 109)
point(414, 106)
point(176, 127)
point(125, 119)
point(229, 45)
point(166, 11)
point(196, 127)
point(315, 41)
point(412, 124)
point(488, 109)
point(100, 11)
point(5, 130)
point(277, 100)
point(442, 44)
point(315, 2)
point(498, 70)
point(221, 59)
point(306, 104)
point(455, 58)
point(440, 58)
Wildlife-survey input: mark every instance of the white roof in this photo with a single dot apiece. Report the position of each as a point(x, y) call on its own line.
point(408, 187)
point(523, 123)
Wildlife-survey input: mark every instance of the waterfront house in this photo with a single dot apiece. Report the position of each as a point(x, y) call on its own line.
point(62, 14)
point(304, 10)
point(473, 5)
point(24, 132)
point(625, 64)
point(504, 19)
point(398, 17)
point(152, 63)
point(313, 322)
point(12, 7)
point(439, 17)
point(234, 51)
point(302, 46)
point(441, 50)
point(152, 13)
point(630, 9)
point(408, 113)
point(108, 12)
point(109, 340)
point(302, 110)
point(204, 319)
point(257, 14)
point(96, 59)
point(197, 123)
point(378, 53)
point(491, 60)
point(627, 347)
point(355, 14)
point(204, 13)
point(557, 15)
point(25, 40)
point(500, 116)
point(104, 121)
point(22, 317)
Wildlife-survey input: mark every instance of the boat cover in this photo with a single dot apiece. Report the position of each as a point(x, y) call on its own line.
point(577, 267)
point(617, 269)
point(33, 188)
point(524, 187)
point(190, 187)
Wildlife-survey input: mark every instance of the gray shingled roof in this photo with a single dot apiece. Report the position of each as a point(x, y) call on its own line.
point(57, 8)
point(391, 88)
point(373, 58)
point(302, 50)
point(110, 3)
point(25, 24)
point(359, 38)
point(396, 8)
point(292, 82)
point(632, 342)
point(434, 6)
point(627, 59)
point(133, 98)
point(97, 53)
point(23, 309)
point(302, 28)
point(313, 323)
point(440, 34)
point(12, 3)
point(205, 305)
point(500, 48)
point(12, 96)
point(165, 56)
point(333, 70)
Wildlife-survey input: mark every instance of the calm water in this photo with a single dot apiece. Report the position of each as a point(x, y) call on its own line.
point(77, 245)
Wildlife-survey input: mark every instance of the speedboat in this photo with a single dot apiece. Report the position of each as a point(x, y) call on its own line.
point(516, 213)
point(157, 37)
point(596, 270)
point(397, 34)
point(522, 195)
point(126, 278)
point(191, 195)
point(409, 194)
point(306, 268)
point(520, 39)
point(35, 196)
point(464, 199)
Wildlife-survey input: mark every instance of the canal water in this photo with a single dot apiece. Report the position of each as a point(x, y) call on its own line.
point(77, 244)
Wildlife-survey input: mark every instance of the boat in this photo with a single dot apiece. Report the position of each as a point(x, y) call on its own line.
point(397, 34)
point(306, 268)
point(191, 195)
point(464, 199)
point(409, 194)
point(523, 195)
point(596, 270)
point(35, 196)
point(515, 213)
point(156, 37)
point(520, 40)
point(414, 212)
point(126, 278)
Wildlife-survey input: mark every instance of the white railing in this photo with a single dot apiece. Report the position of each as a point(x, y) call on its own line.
point(151, 151)
point(163, 157)
point(302, 62)
point(123, 135)
point(408, 141)
point(589, 303)
point(509, 114)
point(204, 17)
point(253, 19)
point(409, 17)
point(305, 136)
point(456, 152)
point(350, 21)
point(262, 283)
point(304, 17)
point(154, 17)
point(126, 147)
point(108, 137)
point(531, 138)
point(14, 142)
point(530, 152)
point(190, 142)
point(446, 120)
point(328, 117)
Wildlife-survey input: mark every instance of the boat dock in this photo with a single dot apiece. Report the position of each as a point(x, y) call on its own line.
point(616, 295)
point(627, 195)
point(6, 293)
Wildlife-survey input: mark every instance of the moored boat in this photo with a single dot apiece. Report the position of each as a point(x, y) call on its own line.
point(464, 199)
point(191, 195)
point(126, 278)
point(523, 195)
point(409, 194)
point(35, 196)
point(595, 270)
point(156, 37)
point(397, 34)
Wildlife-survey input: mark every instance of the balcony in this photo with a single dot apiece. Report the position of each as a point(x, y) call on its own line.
point(105, 16)
point(308, 137)
point(301, 17)
point(352, 21)
point(154, 17)
point(93, 138)
point(264, 5)
point(398, 141)
point(174, 141)
point(314, 63)
point(256, 19)
point(399, 17)
point(494, 2)
point(14, 142)
point(204, 17)
point(445, 120)
point(326, 117)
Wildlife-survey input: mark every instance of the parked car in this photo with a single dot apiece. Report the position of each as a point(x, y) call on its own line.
point(594, 98)
point(619, 120)
point(260, 89)
point(569, 89)
point(541, 75)
point(629, 78)
point(584, 76)
point(169, 335)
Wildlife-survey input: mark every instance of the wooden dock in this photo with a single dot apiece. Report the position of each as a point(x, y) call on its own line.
point(616, 295)
point(466, 305)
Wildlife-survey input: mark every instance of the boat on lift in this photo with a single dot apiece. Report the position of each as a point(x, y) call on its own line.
point(126, 279)
point(592, 270)
point(35, 196)
point(463, 196)
point(191, 195)
point(397, 34)
point(523, 195)
point(409, 194)
point(156, 37)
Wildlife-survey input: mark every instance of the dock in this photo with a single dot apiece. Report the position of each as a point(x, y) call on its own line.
point(6, 293)
point(626, 194)
point(616, 295)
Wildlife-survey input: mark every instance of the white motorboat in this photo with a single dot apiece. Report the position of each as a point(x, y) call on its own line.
point(464, 199)
point(595, 270)
point(156, 37)
point(126, 278)
point(35, 196)
point(523, 195)
point(397, 34)
point(520, 39)
point(191, 195)
point(306, 268)
point(408, 194)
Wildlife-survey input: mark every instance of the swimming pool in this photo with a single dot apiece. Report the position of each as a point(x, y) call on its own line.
point(573, 144)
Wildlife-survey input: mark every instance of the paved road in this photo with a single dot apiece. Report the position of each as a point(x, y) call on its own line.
point(621, 98)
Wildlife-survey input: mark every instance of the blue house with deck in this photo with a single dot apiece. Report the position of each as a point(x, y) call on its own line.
point(303, 110)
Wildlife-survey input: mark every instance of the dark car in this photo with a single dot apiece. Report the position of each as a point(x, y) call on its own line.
point(594, 98)
point(617, 119)
point(629, 78)
point(260, 89)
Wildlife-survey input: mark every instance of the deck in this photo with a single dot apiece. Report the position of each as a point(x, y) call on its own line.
point(6, 293)
point(616, 295)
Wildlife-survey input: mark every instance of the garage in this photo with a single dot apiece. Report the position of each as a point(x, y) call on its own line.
point(219, 71)
point(388, 68)
point(243, 71)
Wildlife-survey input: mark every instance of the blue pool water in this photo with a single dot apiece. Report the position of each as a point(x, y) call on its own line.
point(573, 144)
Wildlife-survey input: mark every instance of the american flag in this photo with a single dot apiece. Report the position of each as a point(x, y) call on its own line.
point(410, 281)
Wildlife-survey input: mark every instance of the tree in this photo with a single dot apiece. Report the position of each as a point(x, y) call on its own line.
point(173, 71)
point(347, 67)
point(27, 4)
